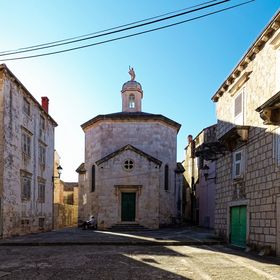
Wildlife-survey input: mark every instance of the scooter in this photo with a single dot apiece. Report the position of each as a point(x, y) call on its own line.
point(90, 224)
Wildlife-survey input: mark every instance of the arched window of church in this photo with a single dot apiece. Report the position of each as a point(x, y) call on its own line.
point(131, 102)
point(166, 177)
point(93, 178)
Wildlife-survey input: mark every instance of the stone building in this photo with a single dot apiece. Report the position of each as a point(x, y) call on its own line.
point(65, 208)
point(248, 178)
point(26, 159)
point(200, 177)
point(130, 173)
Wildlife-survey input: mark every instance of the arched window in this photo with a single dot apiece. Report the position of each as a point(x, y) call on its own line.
point(166, 177)
point(131, 101)
point(93, 178)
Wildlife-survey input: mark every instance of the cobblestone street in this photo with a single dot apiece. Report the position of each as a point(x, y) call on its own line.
point(133, 262)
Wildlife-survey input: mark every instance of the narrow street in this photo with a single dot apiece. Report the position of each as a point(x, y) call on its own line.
point(134, 262)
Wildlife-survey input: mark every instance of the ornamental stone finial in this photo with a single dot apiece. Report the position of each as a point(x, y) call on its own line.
point(131, 73)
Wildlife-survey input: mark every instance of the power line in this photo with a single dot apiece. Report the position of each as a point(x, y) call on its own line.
point(130, 35)
point(50, 45)
point(105, 30)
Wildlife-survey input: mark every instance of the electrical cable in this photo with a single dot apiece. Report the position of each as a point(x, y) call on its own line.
point(116, 31)
point(105, 30)
point(130, 35)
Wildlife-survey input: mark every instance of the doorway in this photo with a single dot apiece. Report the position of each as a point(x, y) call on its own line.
point(238, 226)
point(128, 203)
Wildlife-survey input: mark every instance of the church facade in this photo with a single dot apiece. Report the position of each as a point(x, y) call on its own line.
point(130, 174)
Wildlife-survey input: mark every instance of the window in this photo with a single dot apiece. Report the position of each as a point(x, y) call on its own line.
point(26, 107)
point(277, 74)
point(93, 178)
point(238, 108)
point(237, 164)
point(68, 199)
point(131, 102)
point(41, 192)
point(25, 187)
point(26, 143)
point(41, 126)
point(41, 223)
point(166, 177)
point(42, 154)
point(128, 164)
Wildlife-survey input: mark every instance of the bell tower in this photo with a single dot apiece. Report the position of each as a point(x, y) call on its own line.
point(132, 94)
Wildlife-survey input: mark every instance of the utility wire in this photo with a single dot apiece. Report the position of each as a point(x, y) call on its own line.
point(130, 35)
point(105, 30)
point(117, 31)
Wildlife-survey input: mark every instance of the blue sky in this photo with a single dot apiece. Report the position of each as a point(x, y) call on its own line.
point(180, 68)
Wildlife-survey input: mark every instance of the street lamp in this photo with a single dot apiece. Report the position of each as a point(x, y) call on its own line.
point(59, 171)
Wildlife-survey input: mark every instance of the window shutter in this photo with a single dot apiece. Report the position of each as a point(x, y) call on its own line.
point(238, 105)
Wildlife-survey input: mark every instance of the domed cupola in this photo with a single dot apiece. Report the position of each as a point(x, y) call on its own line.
point(132, 94)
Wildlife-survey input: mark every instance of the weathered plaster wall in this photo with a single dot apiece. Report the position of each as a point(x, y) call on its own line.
point(21, 216)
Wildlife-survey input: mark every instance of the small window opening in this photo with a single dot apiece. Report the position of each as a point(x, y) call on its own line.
point(131, 103)
point(166, 177)
point(93, 178)
point(128, 164)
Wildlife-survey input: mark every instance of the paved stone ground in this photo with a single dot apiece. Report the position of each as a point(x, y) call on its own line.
point(174, 253)
point(77, 236)
point(203, 262)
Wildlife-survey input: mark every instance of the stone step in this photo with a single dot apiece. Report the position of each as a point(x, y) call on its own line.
point(128, 227)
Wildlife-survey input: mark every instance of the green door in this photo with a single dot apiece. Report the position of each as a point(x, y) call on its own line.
point(128, 206)
point(238, 225)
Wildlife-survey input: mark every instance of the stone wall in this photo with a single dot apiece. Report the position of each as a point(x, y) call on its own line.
point(152, 137)
point(260, 181)
point(1, 151)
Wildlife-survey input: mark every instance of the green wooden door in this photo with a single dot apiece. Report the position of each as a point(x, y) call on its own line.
point(128, 207)
point(238, 225)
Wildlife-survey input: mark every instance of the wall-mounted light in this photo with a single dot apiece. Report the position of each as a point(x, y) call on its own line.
point(59, 171)
point(205, 170)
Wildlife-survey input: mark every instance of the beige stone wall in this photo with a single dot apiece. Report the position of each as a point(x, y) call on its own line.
point(261, 176)
point(152, 137)
point(21, 216)
point(65, 215)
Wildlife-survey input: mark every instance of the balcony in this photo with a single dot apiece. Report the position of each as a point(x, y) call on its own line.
point(270, 110)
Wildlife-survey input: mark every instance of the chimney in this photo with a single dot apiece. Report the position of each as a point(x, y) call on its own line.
point(45, 103)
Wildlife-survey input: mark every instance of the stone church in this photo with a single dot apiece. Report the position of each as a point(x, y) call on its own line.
point(130, 174)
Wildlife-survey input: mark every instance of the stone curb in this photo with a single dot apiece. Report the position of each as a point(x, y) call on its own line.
point(113, 243)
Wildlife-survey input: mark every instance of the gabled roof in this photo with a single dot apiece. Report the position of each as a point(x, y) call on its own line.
point(259, 43)
point(5, 68)
point(132, 116)
point(128, 148)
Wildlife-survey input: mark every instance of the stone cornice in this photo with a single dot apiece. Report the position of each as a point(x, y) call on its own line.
point(133, 116)
point(9, 75)
point(259, 43)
